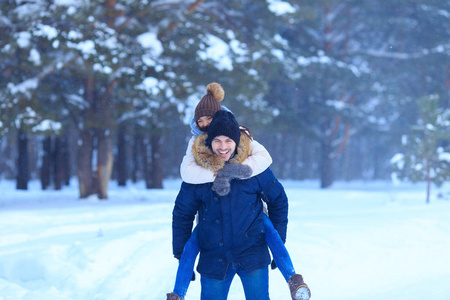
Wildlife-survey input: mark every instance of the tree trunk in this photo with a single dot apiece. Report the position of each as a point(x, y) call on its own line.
point(326, 165)
point(46, 162)
point(146, 163)
point(122, 172)
point(306, 170)
point(65, 157)
point(157, 164)
point(105, 162)
point(105, 157)
point(86, 178)
point(22, 161)
point(279, 149)
point(137, 140)
point(57, 163)
point(84, 164)
point(295, 164)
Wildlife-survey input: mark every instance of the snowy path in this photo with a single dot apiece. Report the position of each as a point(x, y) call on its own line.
point(360, 243)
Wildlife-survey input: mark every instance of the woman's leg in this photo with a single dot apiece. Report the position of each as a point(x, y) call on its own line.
point(298, 288)
point(279, 251)
point(186, 265)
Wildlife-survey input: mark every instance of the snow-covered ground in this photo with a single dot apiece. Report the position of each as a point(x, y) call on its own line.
point(355, 241)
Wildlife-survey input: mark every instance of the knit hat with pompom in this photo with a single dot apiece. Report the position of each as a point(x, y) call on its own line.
point(210, 103)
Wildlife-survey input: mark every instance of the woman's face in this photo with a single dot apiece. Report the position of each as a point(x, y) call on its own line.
point(203, 122)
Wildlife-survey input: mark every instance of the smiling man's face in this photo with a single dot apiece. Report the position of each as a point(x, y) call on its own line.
point(223, 146)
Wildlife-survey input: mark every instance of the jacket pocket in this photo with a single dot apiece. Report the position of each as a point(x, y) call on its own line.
point(210, 236)
point(256, 233)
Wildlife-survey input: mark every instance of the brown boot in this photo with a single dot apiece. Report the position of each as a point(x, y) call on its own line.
point(172, 296)
point(299, 289)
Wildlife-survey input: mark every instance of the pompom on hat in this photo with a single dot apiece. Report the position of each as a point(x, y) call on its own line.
point(210, 103)
point(223, 123)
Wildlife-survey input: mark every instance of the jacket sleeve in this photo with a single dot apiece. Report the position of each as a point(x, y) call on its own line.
point(191, 172)
point(274, 195)
point(259, 159)
point(183, 215)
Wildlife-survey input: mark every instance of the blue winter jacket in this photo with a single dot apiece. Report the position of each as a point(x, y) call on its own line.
point(230, 228)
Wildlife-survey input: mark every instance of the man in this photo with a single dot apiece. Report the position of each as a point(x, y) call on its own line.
point(231, 232)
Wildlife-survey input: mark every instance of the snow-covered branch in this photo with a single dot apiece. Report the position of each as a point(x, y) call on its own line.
point(444, 49)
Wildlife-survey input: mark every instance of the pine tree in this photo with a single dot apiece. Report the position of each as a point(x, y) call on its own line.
point(425, 157)
point(320, 91)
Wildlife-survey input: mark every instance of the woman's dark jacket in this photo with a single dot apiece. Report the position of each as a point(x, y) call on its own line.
point(230, 228)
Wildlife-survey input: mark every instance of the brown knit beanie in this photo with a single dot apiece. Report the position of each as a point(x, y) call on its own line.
point(210, 103)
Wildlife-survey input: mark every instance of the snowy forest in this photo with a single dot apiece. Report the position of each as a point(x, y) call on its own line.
point(95, 91)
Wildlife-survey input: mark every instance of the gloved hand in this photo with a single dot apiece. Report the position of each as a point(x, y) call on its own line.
point(235, 171)
point(221, 184)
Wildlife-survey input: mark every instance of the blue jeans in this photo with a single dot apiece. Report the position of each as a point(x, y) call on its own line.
point(186, 265)
point(279, 252)
point(191, 250)
point(255, 283)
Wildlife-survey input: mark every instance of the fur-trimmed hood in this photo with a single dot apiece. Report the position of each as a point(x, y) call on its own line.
point(205, 158)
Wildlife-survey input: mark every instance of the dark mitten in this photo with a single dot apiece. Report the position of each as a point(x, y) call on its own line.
point(221, 185)
point(273, 265)
point(231, 170)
